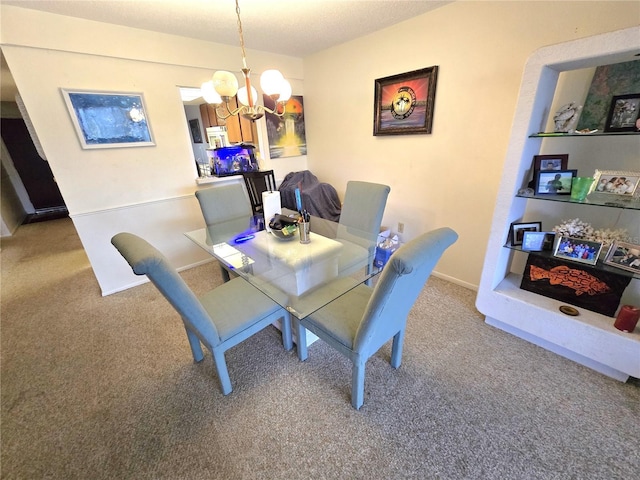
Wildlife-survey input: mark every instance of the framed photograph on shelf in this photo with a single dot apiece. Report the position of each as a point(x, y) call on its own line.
point(616, 182)
point(537, 241)
point(550, 162)
point(625, 256)
point(553, 182)
point(108, 119)
point(516, 231)
point(624, 114)
point(403, 104)
point(577, 250)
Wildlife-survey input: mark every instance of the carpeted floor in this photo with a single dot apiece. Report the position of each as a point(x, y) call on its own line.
point(105, 388)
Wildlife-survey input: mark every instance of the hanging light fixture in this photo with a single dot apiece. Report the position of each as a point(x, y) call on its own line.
point(224, 85)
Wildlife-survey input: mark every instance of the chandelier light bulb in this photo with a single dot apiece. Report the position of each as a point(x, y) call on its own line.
point(209, 93)
point(271, 82)
point(244, 99)
point(285, 91)
point(225, 83)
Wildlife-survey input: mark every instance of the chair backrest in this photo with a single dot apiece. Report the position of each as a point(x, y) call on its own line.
point(363, 207)
point(398, 287)
point(223, 203)
point(145, 259)
point(256, 183)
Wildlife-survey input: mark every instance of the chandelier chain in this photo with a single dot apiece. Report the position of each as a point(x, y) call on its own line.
point(244, 55)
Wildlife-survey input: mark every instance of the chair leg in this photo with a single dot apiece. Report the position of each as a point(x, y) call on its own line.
point(225, 274)
point(223, 373)
point(357, 384)
point(396, 349)
point(301, 332)
point(194, 343)
point(287, 339)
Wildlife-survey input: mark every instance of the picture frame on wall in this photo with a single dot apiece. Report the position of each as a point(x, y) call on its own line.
point(625, 256)
point(108, 119)
point(517, 230)
point(577, 250)
point(404, 103)
point(550, 162)
point(622, 183)
point(554, 182)
point(196, 133)
point(624, 113)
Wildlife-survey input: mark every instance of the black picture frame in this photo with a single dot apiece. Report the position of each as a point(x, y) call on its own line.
point(546, 182)
point(196, 132)
point(517, 229)
point(578, 250)
point(624, 113)
point(413, 95)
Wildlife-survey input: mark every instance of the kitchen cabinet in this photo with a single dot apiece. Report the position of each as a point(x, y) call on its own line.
point(239, 129)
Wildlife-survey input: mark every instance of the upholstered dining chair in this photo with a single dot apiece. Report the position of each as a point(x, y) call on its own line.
point(256, 183)
point(360, 322)
point(222, 204)
point(362, 211)
point(218, 319)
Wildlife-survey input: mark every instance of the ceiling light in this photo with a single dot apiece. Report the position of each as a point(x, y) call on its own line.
point(224, 85)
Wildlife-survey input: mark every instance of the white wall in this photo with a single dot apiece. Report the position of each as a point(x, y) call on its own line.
point(447, 178)
point(451, 176)
point(116, 189)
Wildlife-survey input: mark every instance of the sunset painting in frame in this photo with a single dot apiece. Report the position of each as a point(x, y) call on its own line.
point(404, 103)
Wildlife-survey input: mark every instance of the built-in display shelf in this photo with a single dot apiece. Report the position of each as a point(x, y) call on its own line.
point(589, 338)
point(597, 199)
point(600, 265)
point(583, 135)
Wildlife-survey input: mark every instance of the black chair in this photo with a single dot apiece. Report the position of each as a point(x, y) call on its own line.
point(258, 182)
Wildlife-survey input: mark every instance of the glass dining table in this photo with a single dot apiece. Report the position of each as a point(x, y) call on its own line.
point(301, 277)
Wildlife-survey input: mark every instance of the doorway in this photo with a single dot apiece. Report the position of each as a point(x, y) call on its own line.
point(34, 171)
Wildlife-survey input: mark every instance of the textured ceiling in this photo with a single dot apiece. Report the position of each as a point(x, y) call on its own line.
point(289, 27)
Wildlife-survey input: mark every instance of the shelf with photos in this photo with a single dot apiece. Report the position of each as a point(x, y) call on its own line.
point(554, 181)
point(578, 243)
point(600, 200)
point(586, 134)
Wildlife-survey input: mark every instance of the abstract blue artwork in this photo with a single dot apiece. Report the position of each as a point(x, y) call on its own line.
point(107, 120)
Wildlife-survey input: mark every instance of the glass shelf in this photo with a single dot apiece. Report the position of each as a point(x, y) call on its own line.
point(574, 135)
point(600, 265)
point(601, 200)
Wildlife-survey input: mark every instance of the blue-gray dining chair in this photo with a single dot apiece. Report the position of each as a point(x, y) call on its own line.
point(360, 322)
point(359, 225)
point(220, 318)
point(223, 204)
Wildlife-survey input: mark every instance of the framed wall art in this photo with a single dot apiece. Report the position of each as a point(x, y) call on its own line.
point(516, 231)
point(196, 133)
point(404, 103)
point(108, 119)
point(554, 182)
point(624, 114)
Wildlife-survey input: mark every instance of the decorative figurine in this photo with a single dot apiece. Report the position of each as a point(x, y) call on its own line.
point(567, 117)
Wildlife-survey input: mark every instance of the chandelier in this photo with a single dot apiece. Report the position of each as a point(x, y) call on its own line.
point(224, 85)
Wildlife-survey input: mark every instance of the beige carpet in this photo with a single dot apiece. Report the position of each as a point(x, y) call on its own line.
point(105, 388)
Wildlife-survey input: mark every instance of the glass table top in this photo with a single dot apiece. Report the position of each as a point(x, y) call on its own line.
point(300, 277)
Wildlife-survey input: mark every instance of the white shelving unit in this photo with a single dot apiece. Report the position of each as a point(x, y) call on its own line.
point(590, 338)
